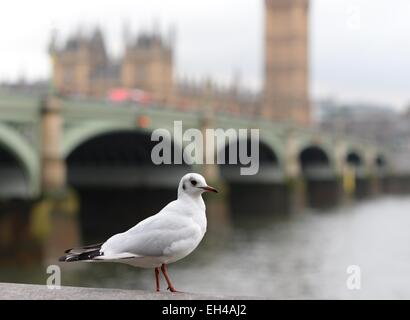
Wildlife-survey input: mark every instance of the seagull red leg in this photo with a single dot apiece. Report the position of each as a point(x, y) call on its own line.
point(165, 272)
point(157, 279)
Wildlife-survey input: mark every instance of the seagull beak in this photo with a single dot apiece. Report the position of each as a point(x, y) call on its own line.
point(208, 188)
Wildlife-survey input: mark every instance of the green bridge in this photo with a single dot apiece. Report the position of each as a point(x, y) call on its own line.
point(50, 142)
point(66, 164)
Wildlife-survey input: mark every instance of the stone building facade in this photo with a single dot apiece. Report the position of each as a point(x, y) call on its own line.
point(83, 67)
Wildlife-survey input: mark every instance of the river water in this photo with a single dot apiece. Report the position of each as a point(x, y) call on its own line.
point(304, 255)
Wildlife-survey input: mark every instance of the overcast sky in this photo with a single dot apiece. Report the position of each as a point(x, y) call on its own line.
point(360, 49)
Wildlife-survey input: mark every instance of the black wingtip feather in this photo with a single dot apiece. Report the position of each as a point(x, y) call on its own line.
point(89, 255)
point(68, 258)
point(91, 246)
point(82, 253)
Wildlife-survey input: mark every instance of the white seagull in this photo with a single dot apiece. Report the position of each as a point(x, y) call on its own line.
point(166, 237)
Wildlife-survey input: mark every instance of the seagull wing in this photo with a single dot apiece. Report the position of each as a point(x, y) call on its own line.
point(158, 235)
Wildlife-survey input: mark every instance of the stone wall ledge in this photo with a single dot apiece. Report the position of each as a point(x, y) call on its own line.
point(19, 291)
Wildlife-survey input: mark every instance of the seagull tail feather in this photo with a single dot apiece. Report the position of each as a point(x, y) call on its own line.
point(82, 254)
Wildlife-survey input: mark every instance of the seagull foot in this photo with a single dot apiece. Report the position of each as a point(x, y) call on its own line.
point(172, 289)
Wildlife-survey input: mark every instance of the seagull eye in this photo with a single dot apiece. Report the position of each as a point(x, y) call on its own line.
point(193, 182)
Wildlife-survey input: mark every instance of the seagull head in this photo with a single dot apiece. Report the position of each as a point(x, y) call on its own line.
point(194, 184)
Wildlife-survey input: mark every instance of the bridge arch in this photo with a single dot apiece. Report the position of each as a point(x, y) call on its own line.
point(326, 146)
point(354, 158)
point(380, 161)
point(113, 144)
point(262, 193)
point(270, 162)
point(315, 158)
point(78, 135)
point(318, 170)
point(19, 163)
